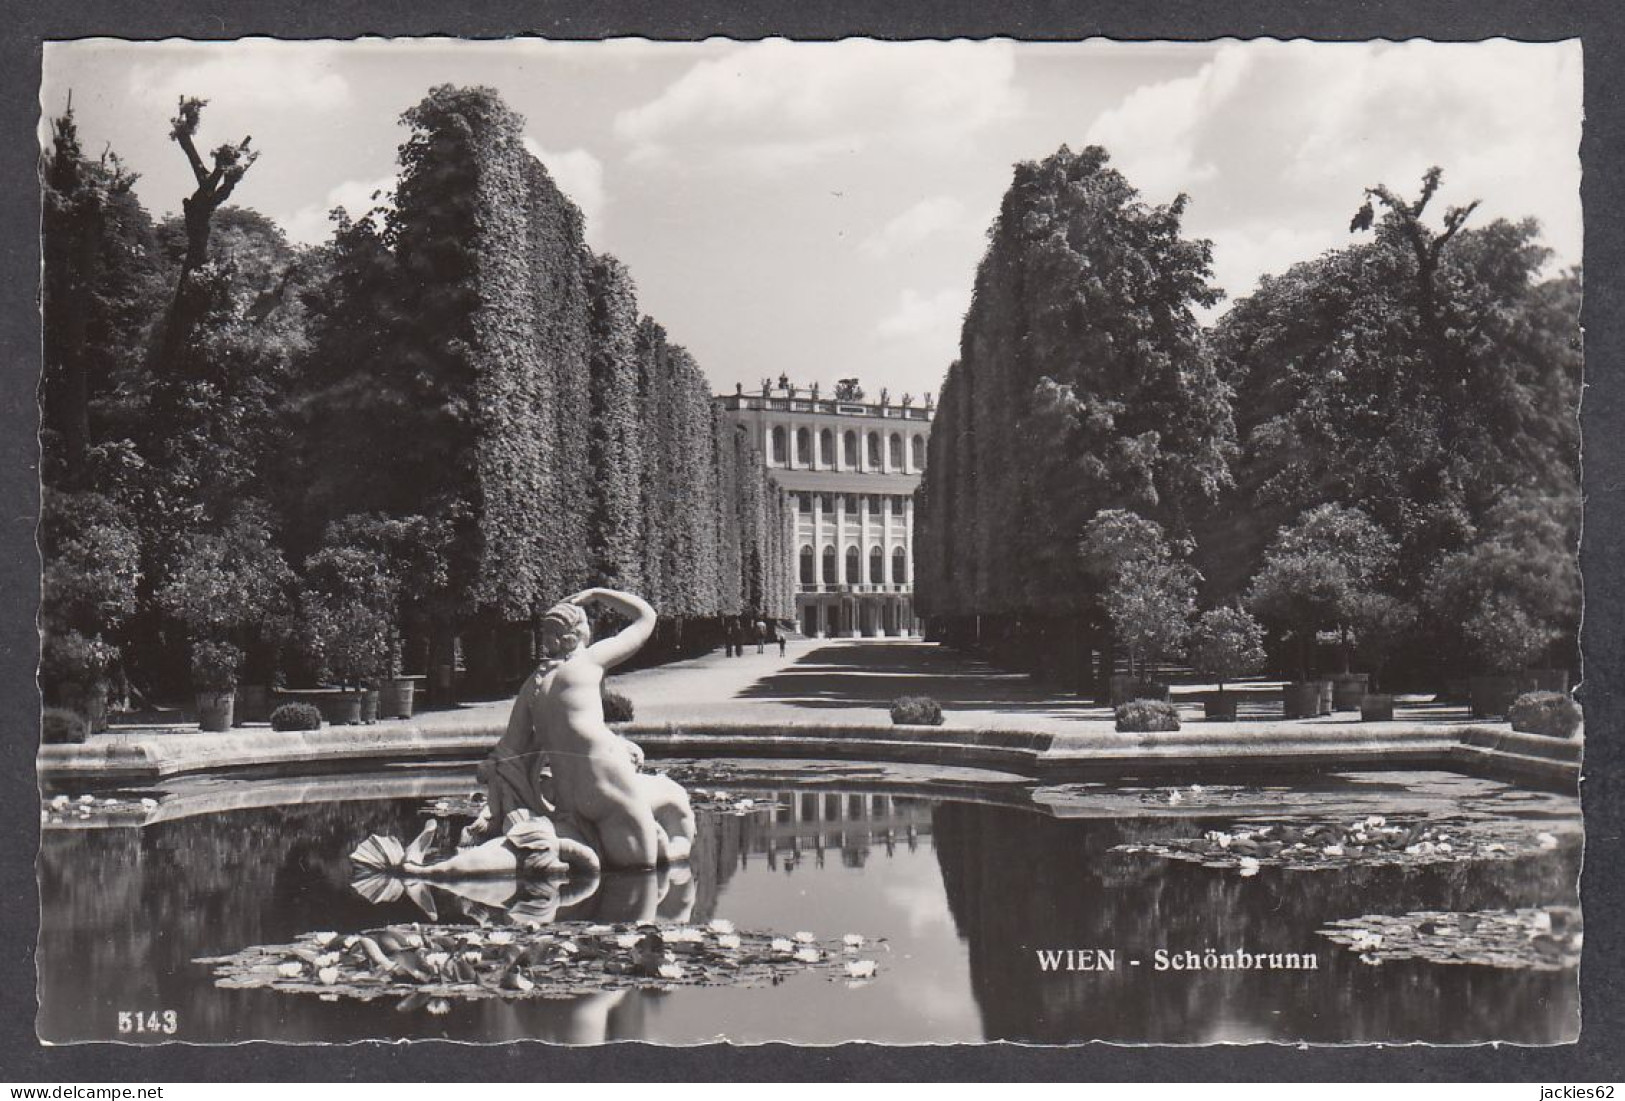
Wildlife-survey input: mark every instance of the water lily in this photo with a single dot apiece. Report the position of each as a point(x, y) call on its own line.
point(328, 975)
point(684, 934)
point(1249, 865)
point(599, 930)
point(728, 940)
point(291, 970)
point(721, 925)
point(860, 969)
point(323, 939)
point(853, 940)
point(1174, 798)
point(1332, 850)
point(1375, 822)
point(1546, 841)
point(471, 957)
point(746, 804)
point(626, 940)
point(436, 960)
point(805, 937)
point(327, 959)
point(780, 944)
point(808, 955)
point(439, 1007)
point(1366, 941)
point(672, 970)
point(568, 947)
point(499, 936)
point(1196, 789)
point(87, 800)
point(473, 938)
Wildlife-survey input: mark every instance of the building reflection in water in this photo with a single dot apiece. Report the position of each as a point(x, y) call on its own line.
point(809, 825)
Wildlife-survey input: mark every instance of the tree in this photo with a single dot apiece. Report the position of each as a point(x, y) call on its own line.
point(1511, 597)
point(1316, 575)
point(1149, 593)
point(1226, 643)
point(1418, 376)
point(92, 568)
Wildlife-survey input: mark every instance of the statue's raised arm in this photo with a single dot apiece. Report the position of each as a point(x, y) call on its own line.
point(615, 649)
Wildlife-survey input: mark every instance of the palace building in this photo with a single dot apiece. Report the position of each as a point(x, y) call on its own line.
point(851, 468)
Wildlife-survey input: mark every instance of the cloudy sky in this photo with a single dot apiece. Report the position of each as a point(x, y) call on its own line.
point(819, 209)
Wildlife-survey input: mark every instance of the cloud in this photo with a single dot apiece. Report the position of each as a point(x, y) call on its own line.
point(1152, 133)
point(920, 222)
point(310, 225)
point(580, 175)
point(1276, 141)
point(937, 316)
point(768, 106)
point(252, 73)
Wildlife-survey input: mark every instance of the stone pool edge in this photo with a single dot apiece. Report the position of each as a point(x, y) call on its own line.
point(1192, 753)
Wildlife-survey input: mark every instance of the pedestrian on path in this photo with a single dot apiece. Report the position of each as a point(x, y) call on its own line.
point(781, 644)
point(761, 635)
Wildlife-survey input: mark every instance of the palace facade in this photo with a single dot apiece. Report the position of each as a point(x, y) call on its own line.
point(851, 468)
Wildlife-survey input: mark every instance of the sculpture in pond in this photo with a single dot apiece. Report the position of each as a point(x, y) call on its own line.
point(560, 784)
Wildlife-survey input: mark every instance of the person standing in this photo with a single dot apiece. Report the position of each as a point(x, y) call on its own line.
point(761, 635)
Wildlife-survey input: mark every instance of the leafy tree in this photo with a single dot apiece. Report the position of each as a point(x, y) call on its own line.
point(1512, 596)
point(91, 555)
point(233, 586)
point(1226, 643)
point(1317, 574)
point(1149, 592)
point(101, 285)
point(1418, 377)
point(347, 596)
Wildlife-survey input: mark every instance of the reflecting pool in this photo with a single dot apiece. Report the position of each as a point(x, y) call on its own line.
point(966, 888)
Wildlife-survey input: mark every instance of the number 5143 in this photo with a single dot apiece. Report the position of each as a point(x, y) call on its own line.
point(166, 1021)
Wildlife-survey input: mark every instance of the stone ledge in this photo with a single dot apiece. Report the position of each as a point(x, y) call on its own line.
point(1524, 758)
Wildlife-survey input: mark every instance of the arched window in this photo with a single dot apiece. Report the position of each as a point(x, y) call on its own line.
point(877, 565)
point(807, 563)
point(779, 453)
point(804, 447)
point(854, 567)
point(874, 451)
point(919, 452)
point(896, 451)
point(851, 446)
point(829, 566)
point(826, 448)
point(899, 567)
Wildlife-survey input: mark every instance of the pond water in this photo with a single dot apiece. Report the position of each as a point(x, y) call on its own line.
point(965, 889)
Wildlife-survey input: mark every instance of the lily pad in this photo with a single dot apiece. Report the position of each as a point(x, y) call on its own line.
point(1374, 841)
point(1546, 939)
point(450, 962)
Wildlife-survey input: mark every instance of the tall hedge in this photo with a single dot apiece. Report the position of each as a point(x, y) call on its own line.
point(1083, 383)
point(616, 431)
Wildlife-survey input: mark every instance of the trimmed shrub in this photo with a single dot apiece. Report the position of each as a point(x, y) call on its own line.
point(1147, 716)
point(617, 708)
point(916, 711)
point(59, 726)
point(1553, 714)
point(296, 716)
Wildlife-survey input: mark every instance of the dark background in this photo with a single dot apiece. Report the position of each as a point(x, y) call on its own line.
point(1600, 25)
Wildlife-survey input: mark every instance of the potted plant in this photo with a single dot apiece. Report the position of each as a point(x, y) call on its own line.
point(214, 676)
point(91, 556)
point(1507, 640)
point(231, 586)
point(1148, 593)
point(1381, 622)
point(1226, 643)
point(74, 672)
point(409, 559)
point(1314, 576)
point(345, 604)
